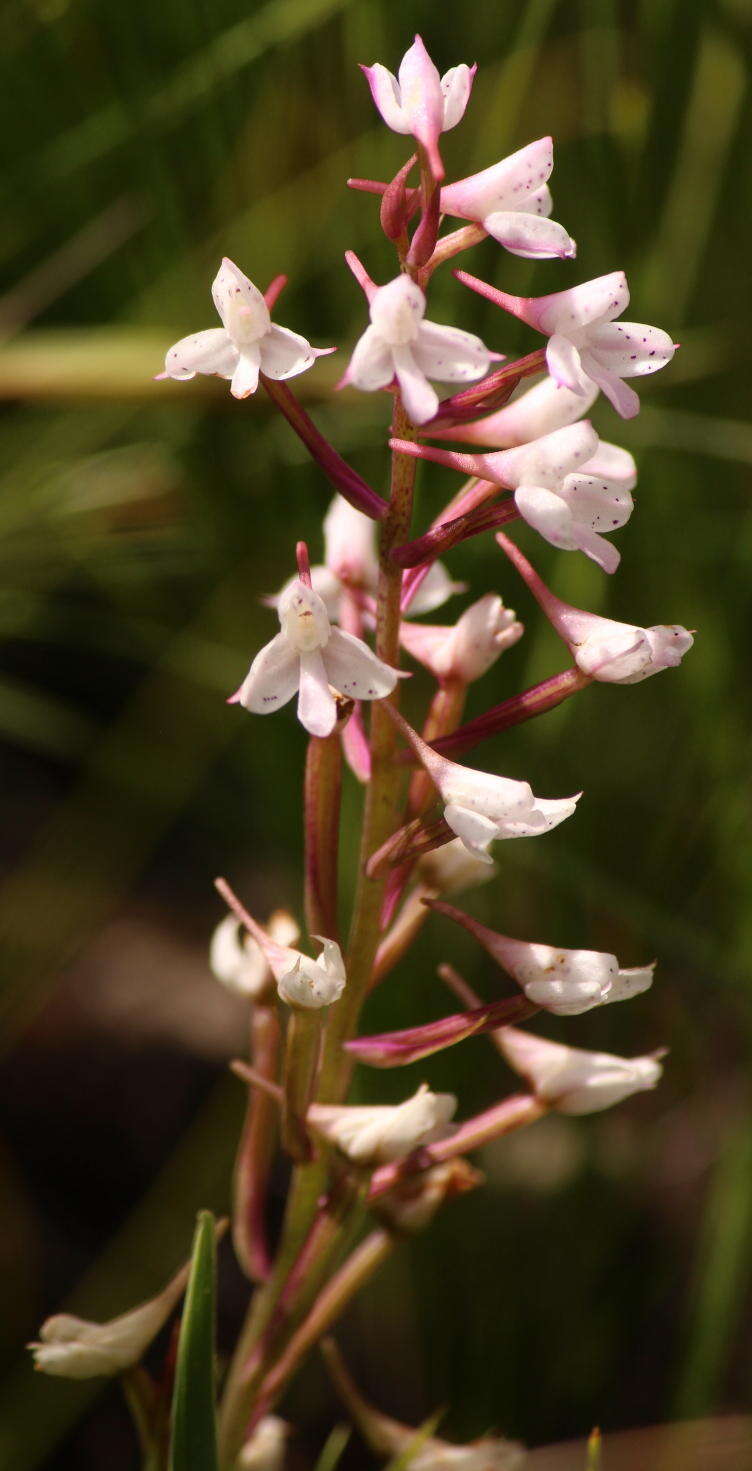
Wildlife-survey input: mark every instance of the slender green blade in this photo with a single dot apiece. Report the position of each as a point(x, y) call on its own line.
point(194, 1427)
point(334, 1448)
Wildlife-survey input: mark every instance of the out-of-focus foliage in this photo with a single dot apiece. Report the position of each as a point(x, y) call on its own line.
point(604, 1273)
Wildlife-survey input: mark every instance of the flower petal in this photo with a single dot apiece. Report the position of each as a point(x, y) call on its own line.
point(613, 463)
point(564, 364)
point(317, 707)
point(203, 352)
point(372, 364)
point(420, 399)
point(548, 514)
point(449, 354)
point(456, 86)
point(240, 304)
point(422, 101)
point(530, 235)
point(386, 95)
point(474, 830)
point(588, 304)
point(507, 185)
point(355, 670)
point(631, 983)
point(597, 504)
point(272, 678)
point(631, 349)
point(246, 375)
point(285, 353)
point(623, 398)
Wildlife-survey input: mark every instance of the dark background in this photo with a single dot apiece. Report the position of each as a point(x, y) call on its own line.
point(603, 1275)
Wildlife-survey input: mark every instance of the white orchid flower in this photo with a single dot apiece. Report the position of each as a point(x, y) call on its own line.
point(400, 344)
point(246, 344)
point(575, 1081)
point(310, 658)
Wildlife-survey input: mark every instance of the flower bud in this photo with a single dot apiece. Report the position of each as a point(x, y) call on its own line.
point(411, 1206)
point(572, 1080)
point(468, 650)
point(238, 961)
point(350, 545)
point(265, 1451)
point(382, 1133)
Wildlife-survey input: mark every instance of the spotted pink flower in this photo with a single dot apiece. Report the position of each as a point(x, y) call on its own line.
point(586, 345)
point(512, 201)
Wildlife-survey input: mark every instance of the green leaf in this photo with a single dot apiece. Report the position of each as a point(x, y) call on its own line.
point(194, 1428)
point(334, 1448)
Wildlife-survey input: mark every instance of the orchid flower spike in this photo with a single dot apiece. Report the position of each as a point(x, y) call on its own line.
point(419, 101)
point(399, 343)
point(310, 657)
point(376, 1135)
point(265, 1449)
point(466, 651)
point(237, 959)
point(575, 1081)
point(246, 344)
point(586, 345)
point(512, 201)
point(77, 1349)
point(615, 653)
point(569, 486)
point(480, 807)
point(546, 406)
point(565, 982)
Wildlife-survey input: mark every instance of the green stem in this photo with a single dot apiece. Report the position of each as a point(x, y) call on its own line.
point(385, 792)
point(331, 1302)
point(302, 1047)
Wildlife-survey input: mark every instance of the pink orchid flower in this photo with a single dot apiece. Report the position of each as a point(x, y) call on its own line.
point(419, 101)
point(546, 406)
point(575, 1081)
point(512, 201)
point(586, 345)
point(602, 648)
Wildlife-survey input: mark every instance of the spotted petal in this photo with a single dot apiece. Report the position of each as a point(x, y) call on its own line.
point(451, 355)
point(530, 235)
point(285, 353)
point(456, 86)
point(240, 304)
point(203, 352)
point(631, 349)
point(355, 670)
point(272, 678)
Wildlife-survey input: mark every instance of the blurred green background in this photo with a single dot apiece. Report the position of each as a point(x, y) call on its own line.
point(603, 1275)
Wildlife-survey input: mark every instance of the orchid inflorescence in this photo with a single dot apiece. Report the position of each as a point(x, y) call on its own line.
point(429, 821)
